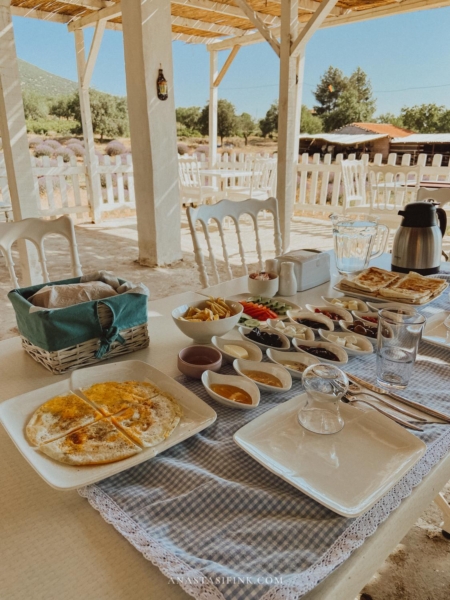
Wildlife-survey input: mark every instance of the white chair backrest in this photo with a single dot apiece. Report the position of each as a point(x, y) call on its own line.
point(354, 178)
point(391, 186)
point(35, 230)
point(188, 173)
point(442, 196)
point(264, 176)
point(233, 210)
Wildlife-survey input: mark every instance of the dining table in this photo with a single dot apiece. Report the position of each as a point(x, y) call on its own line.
point(53, 544)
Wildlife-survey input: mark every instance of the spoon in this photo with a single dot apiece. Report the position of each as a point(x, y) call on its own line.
point(356, 389)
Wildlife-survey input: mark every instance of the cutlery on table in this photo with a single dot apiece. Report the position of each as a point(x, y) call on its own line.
point(356, 390)
point(351, 399)
point(411, 403)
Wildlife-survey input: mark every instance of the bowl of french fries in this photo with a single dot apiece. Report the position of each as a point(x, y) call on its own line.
point(207, 318)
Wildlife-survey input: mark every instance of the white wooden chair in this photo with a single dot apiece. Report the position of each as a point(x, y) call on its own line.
point(391, 187)
point(441, 195)
point(354, 177)
point(191, 185)
point(35, 230)
point(260, 186)
point(6, 209)
point(232, 210)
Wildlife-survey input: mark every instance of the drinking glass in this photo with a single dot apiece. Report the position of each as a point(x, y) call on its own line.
point(399, 334)
point(357, 240)
point(325, 385)
point(447, 327)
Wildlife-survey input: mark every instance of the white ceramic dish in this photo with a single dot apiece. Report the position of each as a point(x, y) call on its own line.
point(202, 332)
point(283, 375)
point(285, 341)
point(435, 332)
point(263, 326)
point(375, 296)
point(361, 304)
point(338, 350)
point(361, 316)
point(344, 326)
point(345, 315)
point(309, 333)
point(240, 297)
point(347, 472)
point(365, 346)
point(306, 314)
point(376, 306)
point(301, 358)
point(15, 414)
point(267, 289)
point(210, 378)
point(254, 353)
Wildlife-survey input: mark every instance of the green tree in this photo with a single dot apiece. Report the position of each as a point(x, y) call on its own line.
point(269, 124)
point(189, 116)
point(310, 123)
point(60, 107)
point(331, 85)
point(349, 109)
point(226, 119)
point(35, 106)
point(425, 118)
point(391, 119)
point(246, 126)
point(109, 113)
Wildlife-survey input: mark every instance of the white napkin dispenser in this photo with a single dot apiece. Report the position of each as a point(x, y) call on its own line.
point(312, 267)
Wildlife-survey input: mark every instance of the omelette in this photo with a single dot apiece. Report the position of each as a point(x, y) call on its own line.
point(111, 397)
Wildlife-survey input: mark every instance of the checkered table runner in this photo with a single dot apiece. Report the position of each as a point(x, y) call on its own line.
point(220, 525)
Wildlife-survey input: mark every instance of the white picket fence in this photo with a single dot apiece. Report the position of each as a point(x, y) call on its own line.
point(117, 182)
point(234, 161)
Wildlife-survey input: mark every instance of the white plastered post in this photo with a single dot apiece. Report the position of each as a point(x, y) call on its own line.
point(22, 185)
point(213, 102)
point(93, 178)
point(147, 38)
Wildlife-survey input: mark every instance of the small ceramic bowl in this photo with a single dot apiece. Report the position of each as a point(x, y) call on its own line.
point(299, 358)
point(193, 361)
point(361, 304)
point(343, 314)
point(321, 320)
point(365, 347)
point(361, 315)
point(284, 340)
point(344, 326)
point(337, 350)
point(283, 374)
point(210, 378)
point(254, 353)
point(267, 289)
point(272, 323)
point(203, 332)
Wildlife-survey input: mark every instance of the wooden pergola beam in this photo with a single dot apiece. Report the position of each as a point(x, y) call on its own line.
point(93, 53)
point(260, 26)
point(325, 8)
point(226, 66)
point(204, 26)
point(42, 15)
point(225, 9)
point(111, 12)
point(91, 4)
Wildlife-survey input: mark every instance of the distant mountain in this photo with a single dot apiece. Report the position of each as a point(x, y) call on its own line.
point(42, 82)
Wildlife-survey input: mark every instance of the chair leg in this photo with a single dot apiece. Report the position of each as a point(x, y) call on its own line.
point(444, 507)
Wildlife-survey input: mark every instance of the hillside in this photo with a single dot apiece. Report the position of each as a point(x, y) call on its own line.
point(44, 83)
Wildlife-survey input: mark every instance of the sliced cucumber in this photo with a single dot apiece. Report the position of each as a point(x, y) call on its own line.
point(252, 323)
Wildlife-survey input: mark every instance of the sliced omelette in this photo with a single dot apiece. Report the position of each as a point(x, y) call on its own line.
point(150, 423)
point(96, 444)
point(58, 416)
point(111, 397)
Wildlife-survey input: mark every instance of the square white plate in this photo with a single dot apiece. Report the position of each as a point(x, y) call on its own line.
point(15, 413)
point(348, 471)
point(375, 296)
point(435, 331)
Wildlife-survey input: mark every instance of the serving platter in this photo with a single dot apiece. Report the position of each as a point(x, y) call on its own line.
point(15, 414)
point(435, 332)
point(347, 472)
point(376, 296)
point(246, 296)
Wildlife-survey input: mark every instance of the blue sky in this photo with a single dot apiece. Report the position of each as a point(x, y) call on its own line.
point(405, 51)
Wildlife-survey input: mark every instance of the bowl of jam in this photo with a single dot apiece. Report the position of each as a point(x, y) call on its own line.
point(326, 352)
point(314, 321)
point(360, 327)
point(193, 361)
point(335, 313)
point(265, 339)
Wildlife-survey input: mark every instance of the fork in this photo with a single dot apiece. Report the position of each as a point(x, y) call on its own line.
point(351, 399)
point(356, 390)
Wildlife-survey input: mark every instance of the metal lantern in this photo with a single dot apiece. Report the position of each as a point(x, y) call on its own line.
point(162, 86)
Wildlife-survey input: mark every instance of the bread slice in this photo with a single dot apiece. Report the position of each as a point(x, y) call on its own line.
point(370, 280)
point(96, 444)
point(58, 416)
point(414, 288)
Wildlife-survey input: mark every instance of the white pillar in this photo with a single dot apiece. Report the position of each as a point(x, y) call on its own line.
point(288, 117)
point(147, 37)
point(91, 162)
point(213, 100)
point(22, 185)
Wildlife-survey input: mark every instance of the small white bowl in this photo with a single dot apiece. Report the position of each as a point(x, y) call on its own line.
point(210, 378)
point(204, 331)
point(363, 342)
point(344, 326)
point(267, 289)
point(340, 352)
point(361, 315)
point(306, 314)
point(285, 341)
point(361, 304)
point(263, 326)
point(345, 315)
point(309, 333)
point(376, 306)
point(254, 353)
point(283, 374)
point(301, 358)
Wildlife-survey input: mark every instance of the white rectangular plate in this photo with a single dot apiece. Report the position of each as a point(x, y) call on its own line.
point(348, 471)
point(435, 332)
point(376, 296)
point(15, 414)
point(239, 297)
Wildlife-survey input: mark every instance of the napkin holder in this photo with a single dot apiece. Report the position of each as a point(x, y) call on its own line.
point(312, 267)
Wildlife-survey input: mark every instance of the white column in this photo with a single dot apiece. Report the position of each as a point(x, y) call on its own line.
point(91, 162)
point(213, 100)
point(22, 185)
point(288, 118)
point(147, 38)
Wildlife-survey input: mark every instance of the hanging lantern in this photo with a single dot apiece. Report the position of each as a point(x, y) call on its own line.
point(162, 86)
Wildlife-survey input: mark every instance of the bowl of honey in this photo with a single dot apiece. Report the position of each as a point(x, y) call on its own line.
point(268, 377)
point(193, 361)
point(231, 390)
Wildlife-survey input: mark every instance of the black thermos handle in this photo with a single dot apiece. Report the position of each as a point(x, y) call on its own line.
point(442, 216)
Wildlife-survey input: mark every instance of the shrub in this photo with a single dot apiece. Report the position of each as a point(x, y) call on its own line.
point(77, 149)
point(182, 148)
point(43, 150)
point(53, 144)
point(42, 186)
point(202, 149)
point(47, 126)
point(75, 141)
point(115, 148)
point(124, 158)
point(66, 153)
point(35, 141)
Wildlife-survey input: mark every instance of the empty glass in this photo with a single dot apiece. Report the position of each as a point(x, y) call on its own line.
point(357, 240)
point(399, 334)
point(325, 385)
